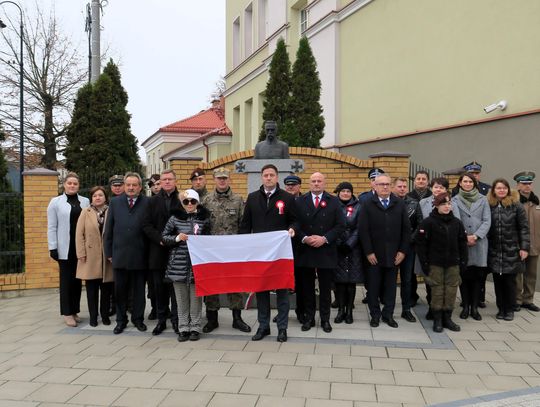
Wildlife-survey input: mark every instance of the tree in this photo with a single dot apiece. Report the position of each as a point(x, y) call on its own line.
point(4, 183)
point(53, 71)
point(100, 142)
point(305, 108)
point(278, 92)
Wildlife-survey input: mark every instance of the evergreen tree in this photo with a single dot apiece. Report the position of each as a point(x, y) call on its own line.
point(305, 108)
point(101, 142)
point(278, 92)
point(4, 183)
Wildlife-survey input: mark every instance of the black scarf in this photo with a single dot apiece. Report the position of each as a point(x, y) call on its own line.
point(532, 198)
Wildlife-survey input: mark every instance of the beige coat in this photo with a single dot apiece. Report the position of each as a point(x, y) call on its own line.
point(89, 244)
point(533, 215)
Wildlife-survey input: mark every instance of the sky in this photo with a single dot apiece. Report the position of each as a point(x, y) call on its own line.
point(170, 53)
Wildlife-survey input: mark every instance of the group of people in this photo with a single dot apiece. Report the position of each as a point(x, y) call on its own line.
point(119, 245)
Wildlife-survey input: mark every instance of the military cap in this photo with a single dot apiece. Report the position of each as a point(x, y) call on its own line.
point(375, 172)
point(292, 180)
point(525, 177)
point(152, 180)
point(197, 172)
point(116, 180)
point(473, 167)
point(221, 172)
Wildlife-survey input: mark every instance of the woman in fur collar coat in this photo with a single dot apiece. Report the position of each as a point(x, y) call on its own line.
point(508, 244)
point(191, 219)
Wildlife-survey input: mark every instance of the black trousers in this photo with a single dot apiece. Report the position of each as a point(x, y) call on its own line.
point(163, 295)
point(93, 287)
point(307, 283)
point(470, 288)
point(122, 280)
point(505, 291)
point(387, 277)
point(70, 287)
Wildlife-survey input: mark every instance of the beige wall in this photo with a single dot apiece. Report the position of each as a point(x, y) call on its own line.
point(411, 65)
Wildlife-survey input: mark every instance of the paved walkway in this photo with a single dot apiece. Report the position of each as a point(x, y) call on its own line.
point(490, 363)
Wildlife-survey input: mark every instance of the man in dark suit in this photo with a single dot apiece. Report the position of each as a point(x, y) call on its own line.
point(269, 209)
point(156, 217)
point(384, 233)
point(319, 222)
point(125, 247)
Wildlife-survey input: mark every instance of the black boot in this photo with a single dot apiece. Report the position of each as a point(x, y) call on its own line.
point(465, 311)
point(212, 323)
point(349, 304)
point(448, 323)
point(340, 299)
point(437, 321)
point(475, 314)
point(238, 323)
point(429, 314)
point(340, 317)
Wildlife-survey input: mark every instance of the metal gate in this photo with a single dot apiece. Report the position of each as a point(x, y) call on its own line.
point(414, 168)
point(11, 233)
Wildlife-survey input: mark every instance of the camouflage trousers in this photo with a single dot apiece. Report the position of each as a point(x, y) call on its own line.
point(236, 301)
point(444, 283)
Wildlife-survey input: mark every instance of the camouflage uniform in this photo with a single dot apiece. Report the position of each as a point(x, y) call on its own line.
point(226, 211)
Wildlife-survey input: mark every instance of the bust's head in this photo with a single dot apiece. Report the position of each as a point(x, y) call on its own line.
point(270, 128)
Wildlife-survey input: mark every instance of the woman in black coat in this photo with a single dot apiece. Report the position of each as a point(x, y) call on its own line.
point(349, 271)
point(190, 219)
point(508, 244)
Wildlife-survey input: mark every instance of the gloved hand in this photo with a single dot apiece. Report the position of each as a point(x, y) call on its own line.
point(54, 254)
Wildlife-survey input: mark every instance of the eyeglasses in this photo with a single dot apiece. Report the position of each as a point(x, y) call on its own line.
point(386, 185)
point(190, 202)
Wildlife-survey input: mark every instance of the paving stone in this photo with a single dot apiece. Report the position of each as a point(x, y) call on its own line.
point(204, 355)
point(401, 394)
point(503, 382)
point(14, 390)
point(268, 387)
point(23, 373)
point(97, 395)
point(328, 403)
point(55, 393)
point(223, 384)
point(374, 351)
point(491, 345)
point(249, 370)
point(479, 368)
point(232, 400)
point(278, 358)
point(180, 398)
point(178, 381)
point(98, 362)
point(141, 398)
point(459, 380)
point(314, 360)
point(329, 374)
point(227, 345)
point(304, 388)
point(167, 353)
point(443, 354)
point(210, 368)
point(59, 360)
point(353, 391)
point(293, 347)
point(391, 364)
point(289, 372)
point(513, 369)
point(98, 377)
point(138, 379)
point(482, 356)
point(136, 364)
point(373, 376)
point(272, 401)
point(361, 362)
point(520, 356)
point(439, 395)
point(59, 375)
point(176, 366)
point(241, 357)
point(416, 379)
point(332, 349)
point(406, 353)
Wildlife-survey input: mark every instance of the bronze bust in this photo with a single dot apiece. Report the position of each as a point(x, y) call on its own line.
point(271, 147)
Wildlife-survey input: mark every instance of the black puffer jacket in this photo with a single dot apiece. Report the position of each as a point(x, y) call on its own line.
point(441, 241)
point(508, 235)
point(179, 265)
point(349, 269)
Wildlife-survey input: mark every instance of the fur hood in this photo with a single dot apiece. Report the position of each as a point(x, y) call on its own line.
point(180, 213)
point(511, 199)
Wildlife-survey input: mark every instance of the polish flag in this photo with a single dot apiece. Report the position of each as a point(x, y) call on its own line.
point(241, 263)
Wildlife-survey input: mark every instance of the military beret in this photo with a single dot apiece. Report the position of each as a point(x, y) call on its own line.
point(197, 172)
point(152, 180)
point(292, 180)
point(473, 167)
point(221, 172)
point(375, 172)
point(525, 177)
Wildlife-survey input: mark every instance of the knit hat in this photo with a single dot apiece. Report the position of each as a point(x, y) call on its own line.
point(343, 185)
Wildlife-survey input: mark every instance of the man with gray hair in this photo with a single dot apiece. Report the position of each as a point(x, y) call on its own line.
point(125, 246)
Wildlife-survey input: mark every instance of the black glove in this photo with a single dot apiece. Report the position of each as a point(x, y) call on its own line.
point(54, 254)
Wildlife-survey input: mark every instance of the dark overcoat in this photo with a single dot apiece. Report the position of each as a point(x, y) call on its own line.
point(350, 267)
point(327, 220)
point(154, 222)
point(384, 232)
point(125, 241)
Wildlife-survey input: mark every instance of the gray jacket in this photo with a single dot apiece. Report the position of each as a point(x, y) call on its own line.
point(58, 223)
point(477, 221)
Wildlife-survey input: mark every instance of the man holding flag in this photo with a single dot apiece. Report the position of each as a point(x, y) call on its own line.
point(270, 209)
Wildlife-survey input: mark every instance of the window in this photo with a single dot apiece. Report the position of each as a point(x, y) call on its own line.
point(304, 20)
point(248, 30)
point(262, 22)
point(236, 42)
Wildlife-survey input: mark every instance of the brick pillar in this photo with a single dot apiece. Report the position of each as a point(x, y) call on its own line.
point(40, 186)
point(394, 163)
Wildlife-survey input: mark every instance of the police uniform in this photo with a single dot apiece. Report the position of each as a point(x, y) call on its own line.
point(526, 282)
point(372, 174)
point(226, 210)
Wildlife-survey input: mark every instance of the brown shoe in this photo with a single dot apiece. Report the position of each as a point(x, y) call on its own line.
point(76, 318)
point(70, 321)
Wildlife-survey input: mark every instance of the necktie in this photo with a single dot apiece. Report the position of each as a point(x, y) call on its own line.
point(385, 203)
point(130, 203)
point(268, 195)
point(316, 201)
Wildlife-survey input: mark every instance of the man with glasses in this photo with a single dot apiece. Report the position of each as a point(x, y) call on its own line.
point(384, 233)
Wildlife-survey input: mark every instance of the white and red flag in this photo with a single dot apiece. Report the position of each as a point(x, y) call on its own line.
point(241, 263)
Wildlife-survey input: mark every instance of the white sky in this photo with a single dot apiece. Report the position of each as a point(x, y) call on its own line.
point(170, 52)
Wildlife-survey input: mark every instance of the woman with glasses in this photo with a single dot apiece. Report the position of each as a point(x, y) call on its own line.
point(508, 244)
point(190, 219)
point(475, 214)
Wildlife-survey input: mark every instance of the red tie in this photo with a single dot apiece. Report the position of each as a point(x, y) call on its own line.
point(316, 201)
point(130, 203)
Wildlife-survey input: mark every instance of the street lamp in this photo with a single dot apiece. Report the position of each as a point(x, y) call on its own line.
point(21, 95)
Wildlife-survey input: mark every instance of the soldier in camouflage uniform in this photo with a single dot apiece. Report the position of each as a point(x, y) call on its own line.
point(226, 209)
point(198, 182)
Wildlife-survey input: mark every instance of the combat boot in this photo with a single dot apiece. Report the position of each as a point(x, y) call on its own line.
point(212, 323)
point(238, 323)
point(448, 323)
point(437, 321)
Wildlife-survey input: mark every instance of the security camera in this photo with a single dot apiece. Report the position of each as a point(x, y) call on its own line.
point(501, 105)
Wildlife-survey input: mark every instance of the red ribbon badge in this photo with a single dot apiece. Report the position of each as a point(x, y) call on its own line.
point(350, 210)
point(323, 204)
point(280, 205)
